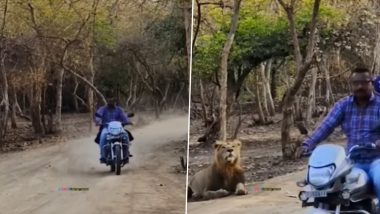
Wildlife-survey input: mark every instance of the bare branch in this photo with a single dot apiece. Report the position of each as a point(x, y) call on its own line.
point(4, 19)
point(283, 4)
point(311, 42)
point(82, 101)
point(289, 9)
point(198, 23)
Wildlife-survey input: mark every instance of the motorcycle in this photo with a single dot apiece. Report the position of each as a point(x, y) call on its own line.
point(333, 185)
point(117, 147)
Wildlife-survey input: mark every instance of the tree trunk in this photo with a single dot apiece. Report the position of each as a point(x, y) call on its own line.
point(329, 93)
point(24, 98)
point(203, 103)
point(297, 113)
point(273, 83)
point(47, 110)
point(267, 94)
point(13, 107)
point(187, 13)
point(302, 66)
point(260, 80)
point(258, 101)
point(238, 125)
point(35, 99)
point(91, 50)
point(267, 83)
point(376, 60)
point(58, 107)
point(130, 92)
point(91, 102)
point(223, 71)
point(179, 94)
point(256, 96)
point(75, 99)
point(263, 94)
point(376, 50)
point(43, 110)
point(19, 111)
point(287, 122)
point(164, 98)
point(157, 109)
point(4, 103)
point(311, 97)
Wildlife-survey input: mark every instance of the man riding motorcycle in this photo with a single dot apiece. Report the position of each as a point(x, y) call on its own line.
point(105, 114)
point(359, 117)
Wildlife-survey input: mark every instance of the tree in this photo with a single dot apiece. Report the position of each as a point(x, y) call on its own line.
point(223, 70)
point(4, 104)
point(66, 56)
point(302, 66)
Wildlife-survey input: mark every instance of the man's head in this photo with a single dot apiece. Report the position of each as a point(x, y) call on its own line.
point(111, 102)
point(361, 83)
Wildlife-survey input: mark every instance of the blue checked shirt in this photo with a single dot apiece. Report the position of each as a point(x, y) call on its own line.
point(360, 125)
point(105, 115)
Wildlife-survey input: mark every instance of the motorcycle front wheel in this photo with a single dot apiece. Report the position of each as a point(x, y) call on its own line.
point(117, 163)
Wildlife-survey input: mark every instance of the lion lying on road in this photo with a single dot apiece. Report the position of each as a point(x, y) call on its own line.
point(223, 177)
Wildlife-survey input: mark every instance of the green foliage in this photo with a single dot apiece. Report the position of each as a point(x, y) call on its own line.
point(115, 74)
point(206, 59)
point(262, 34)
point(170, 32)
point(105, 34)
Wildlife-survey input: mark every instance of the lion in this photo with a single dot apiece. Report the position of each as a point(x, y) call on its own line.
point(223, 177)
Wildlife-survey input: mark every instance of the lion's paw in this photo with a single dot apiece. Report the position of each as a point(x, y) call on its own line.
point(222, 192)
point(240, 189)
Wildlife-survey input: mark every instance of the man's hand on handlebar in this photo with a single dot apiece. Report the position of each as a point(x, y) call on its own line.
point(377, 143)
point(301, 151)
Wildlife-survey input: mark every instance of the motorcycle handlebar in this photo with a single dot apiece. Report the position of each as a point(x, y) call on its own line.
point(123, 124)
point(356, 148)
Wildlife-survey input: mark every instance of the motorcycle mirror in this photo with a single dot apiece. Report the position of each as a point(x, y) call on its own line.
point(131, 114)
point(301, 183)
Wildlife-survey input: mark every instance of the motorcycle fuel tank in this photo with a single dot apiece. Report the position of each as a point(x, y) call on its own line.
point(357, 182)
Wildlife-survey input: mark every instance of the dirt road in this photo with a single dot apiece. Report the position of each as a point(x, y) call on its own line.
point(30, 180)
point(275, 202)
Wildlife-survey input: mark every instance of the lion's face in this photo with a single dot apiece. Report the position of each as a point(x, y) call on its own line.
point(228, 152)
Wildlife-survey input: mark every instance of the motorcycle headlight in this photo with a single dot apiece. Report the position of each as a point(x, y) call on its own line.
point(114, 131)
point(320, 176)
